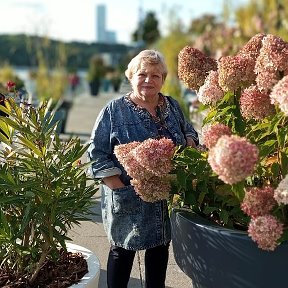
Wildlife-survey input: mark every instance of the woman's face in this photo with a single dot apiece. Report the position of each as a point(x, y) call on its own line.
point(147, 81)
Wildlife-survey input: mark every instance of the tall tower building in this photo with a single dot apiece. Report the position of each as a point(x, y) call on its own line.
point(102, 35)
point(101, 23)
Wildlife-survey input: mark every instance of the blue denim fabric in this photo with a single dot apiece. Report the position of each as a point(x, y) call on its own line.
point(129, 221)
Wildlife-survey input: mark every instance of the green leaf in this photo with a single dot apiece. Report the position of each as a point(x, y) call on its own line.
point(275, 169)
point(282, 136)
point(224, 216)
point(26, 218)
point(238, 190)
point(284, 163)
point(267, 148)
point(189, 198)
point(181, 178)
point(210, 209)
point(284, 236)
point(4, 223)
point(30, 145)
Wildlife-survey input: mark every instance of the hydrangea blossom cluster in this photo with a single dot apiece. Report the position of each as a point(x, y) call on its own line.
point(265, 231)
point(272, 62)
point(279, 95)
point(258, 201)
point(155, 156)
point(233, 158)
point(255, 104)
point(253, 46)
point(124, 154)
point(281, 192)
point(211, 133)
point(152, 189)
point(193, 66)
point(210, 92)
point(235, 71)
point(148, 163)
point(264, 228)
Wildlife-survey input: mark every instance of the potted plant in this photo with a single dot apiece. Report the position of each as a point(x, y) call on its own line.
point(44, 192)
point(230, 228)
point(96, 72)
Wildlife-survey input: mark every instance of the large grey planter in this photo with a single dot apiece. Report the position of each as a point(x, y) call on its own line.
point(216, 257)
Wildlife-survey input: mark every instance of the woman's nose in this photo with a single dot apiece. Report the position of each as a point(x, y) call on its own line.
point(147, 78)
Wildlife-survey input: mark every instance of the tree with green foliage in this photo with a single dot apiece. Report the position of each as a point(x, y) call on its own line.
point(269, 17)
point(170, 46)
point(147, 30)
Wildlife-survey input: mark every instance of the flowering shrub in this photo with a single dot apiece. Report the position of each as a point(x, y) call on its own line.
point(241, 179)
point(148, 163)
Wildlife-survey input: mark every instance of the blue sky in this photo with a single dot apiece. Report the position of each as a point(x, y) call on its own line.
point(75, 19)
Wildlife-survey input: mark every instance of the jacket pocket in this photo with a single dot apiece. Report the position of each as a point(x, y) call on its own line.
point(125, 201)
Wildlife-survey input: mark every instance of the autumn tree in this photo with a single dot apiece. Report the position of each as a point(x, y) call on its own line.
point(261, 16)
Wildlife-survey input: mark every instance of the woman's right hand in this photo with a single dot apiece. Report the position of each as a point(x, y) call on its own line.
point(113, 182)
point(190, 142)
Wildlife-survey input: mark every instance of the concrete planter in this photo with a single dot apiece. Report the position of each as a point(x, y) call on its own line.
point(91, 279)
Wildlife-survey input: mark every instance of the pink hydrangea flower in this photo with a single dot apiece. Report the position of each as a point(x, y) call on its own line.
point(122, 151)
point(265, 231)
point(193, 67)
point(272, 62)
point(255, 104)
point(281, 192)
point(258, 201)
point(253, 46)
point(134, 169)
point(266, 79)
point(154, 189)
point(235, 71)
point(155, 155)
point(233, 158)
point(273, 54)
point(210, 92)
point(211, 133)
point(148, 163)
point(279, 95)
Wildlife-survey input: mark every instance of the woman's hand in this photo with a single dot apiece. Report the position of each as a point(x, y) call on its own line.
point(113, 182)
point(190, 142)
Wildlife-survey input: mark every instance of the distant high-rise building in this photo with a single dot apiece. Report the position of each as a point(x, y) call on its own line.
point(102, 34)
point(101, 23)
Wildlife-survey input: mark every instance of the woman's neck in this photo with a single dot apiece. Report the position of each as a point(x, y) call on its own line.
point(149, 104)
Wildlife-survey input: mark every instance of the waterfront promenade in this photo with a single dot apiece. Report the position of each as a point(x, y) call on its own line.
point(91, 234)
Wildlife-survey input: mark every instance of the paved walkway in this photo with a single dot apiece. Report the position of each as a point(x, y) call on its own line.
point(91, 234)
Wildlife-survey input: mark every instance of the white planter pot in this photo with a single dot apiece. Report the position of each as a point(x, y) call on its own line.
point(91, 279)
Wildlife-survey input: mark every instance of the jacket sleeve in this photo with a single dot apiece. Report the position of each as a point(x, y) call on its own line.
point(100, 150)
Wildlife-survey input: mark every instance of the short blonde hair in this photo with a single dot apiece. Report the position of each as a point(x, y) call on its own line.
point(151, 57)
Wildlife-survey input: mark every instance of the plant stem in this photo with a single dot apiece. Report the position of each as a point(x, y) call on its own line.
point(40, 263)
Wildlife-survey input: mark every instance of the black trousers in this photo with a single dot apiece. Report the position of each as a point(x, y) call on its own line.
point(120, 262)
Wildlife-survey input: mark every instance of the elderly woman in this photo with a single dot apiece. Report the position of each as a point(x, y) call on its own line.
point(132, 224)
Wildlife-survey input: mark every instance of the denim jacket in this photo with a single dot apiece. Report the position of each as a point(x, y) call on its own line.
point(129, 221)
